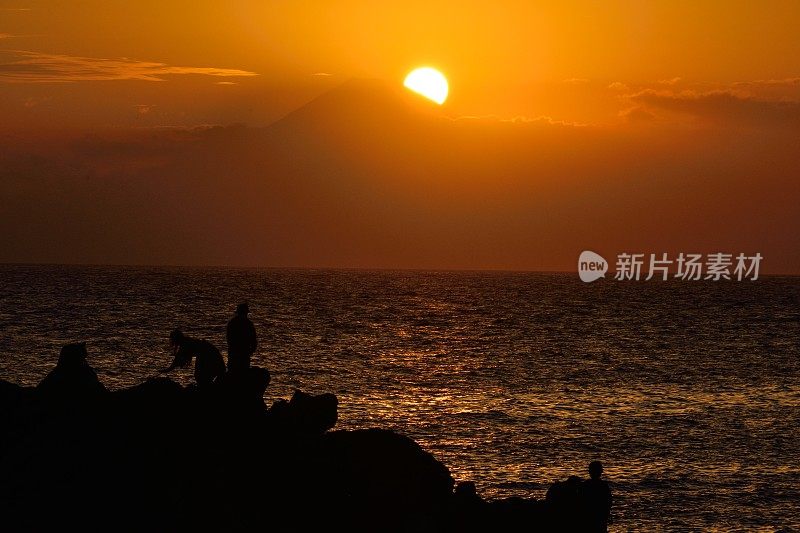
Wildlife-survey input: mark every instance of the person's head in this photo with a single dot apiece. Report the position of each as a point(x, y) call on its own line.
point(72, 355)
point(595, 469)
point(242, 309)
point(176, 338)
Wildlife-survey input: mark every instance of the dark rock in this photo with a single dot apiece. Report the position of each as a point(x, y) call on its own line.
point(159, 456)
point(152, 391)
point(468, 511)
point(13, 395)
point(243, 391)
point(518, 514)
point(385, 478)
point(305, 414)
point(16, 410)
point(150, 399)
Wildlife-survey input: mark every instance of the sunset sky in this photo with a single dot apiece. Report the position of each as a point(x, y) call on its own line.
point(154, 132)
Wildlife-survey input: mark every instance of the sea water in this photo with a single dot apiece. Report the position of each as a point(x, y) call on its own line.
point(688, 392)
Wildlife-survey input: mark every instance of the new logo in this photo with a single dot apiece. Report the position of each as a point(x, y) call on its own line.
point(591, 266)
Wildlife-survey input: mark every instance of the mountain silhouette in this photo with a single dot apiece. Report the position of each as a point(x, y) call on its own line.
point(361, 127)
point(357, 106)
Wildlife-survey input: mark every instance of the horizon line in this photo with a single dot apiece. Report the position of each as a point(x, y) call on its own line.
point(340, 268)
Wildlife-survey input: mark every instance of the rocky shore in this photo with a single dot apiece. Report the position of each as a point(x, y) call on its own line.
point(162, 457)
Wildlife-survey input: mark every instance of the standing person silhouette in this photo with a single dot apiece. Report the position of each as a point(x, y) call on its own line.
point(596, 499)
point(242, 341)
point(209, 365)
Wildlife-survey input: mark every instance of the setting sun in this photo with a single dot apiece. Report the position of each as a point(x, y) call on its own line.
point(428, 82)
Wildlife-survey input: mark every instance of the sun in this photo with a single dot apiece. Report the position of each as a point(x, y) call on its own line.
point(428, 82)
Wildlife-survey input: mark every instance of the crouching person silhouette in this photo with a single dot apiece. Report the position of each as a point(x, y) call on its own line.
point(209, 365)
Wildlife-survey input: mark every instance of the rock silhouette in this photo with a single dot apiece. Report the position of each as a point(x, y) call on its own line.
point(160, 456)
point(305, 414)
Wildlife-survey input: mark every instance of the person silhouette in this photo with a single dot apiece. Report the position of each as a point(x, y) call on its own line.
point(562, 498)
point(209, 365)
point(596, 499)
point(72, 376)
point(242, 341)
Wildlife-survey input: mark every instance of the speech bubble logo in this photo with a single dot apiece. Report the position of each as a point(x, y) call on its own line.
point(591, 266)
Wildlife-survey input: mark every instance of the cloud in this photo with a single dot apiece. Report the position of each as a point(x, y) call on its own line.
point(723, 106)
point(637, 114)
point(324, 74)
point(34, 101)
point(36, 67)
point(145, 109)
point(5, 35)
point(576, 81)
point(670, 81)
point(786, 82)
point(227, 83)
point(518, 119)
point(618, 86)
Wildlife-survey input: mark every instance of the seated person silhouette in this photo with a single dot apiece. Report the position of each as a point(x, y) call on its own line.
point(596, 499)
point(563, 501)
point(72, 376)
point(209, 365)
point(242, 341)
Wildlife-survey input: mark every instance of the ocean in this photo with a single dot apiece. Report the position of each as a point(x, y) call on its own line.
point(688, 392)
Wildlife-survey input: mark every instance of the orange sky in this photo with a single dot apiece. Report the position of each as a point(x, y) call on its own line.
point(682, 96)
point(505, 58)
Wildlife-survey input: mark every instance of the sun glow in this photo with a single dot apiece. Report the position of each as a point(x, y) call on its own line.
point(428, 82)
